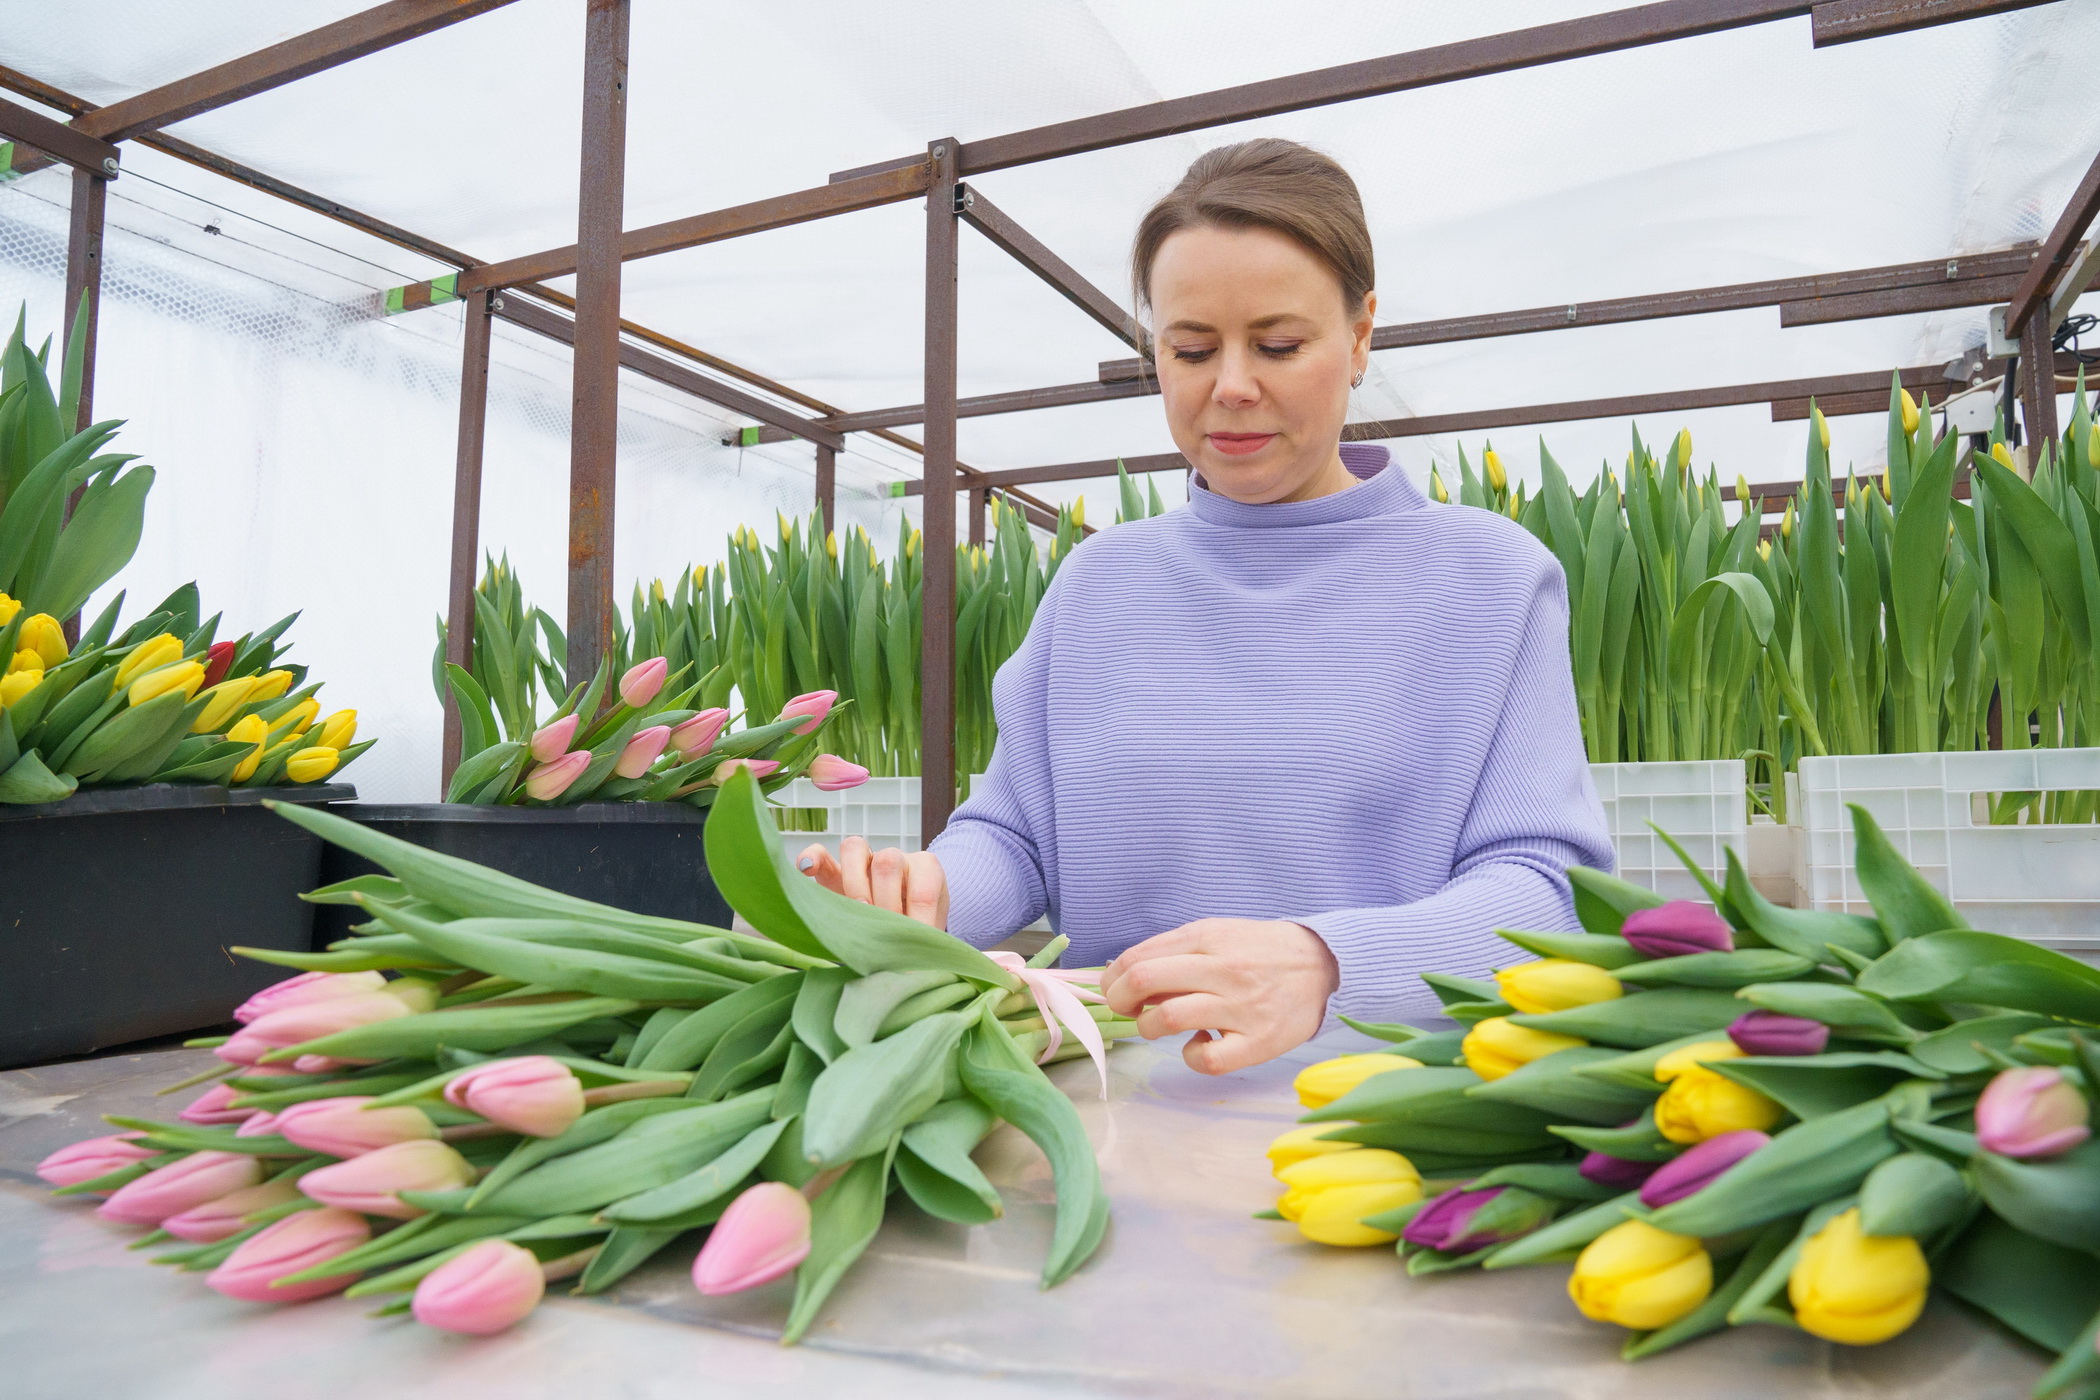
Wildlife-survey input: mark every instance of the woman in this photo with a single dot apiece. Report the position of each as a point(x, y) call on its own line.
point(1277, 752)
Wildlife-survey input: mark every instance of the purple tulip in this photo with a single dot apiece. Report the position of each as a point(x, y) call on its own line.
point(1615, 1172)
point(1677, 929)
point(1446, 1223)
point(2031, 1112)
point(1770, 1033)
point(1699, 1165)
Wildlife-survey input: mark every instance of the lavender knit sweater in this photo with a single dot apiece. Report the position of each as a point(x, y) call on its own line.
point(1354, 713)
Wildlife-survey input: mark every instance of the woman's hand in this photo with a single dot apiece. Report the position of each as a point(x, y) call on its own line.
point(911, 883)
point(1249, 988)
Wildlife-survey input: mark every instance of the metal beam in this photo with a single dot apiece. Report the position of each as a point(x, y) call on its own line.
point(84, 278)
point(53, 139)
point(1844, 21)
point(466, 519)
point(1023, 247)
point(2038, 386)
point(594, 415)
point(978, 406)
point(937, 524)
point(2055, 254)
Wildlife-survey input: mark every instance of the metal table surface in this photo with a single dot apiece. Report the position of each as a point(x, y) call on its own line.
point(1188, 1297)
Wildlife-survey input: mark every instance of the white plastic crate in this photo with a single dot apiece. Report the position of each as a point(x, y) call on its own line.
point(1700, 802)
point(2039, 882)
point(883, 810)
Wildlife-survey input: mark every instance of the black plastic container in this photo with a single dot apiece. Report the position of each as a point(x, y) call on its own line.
point(645, 857)
point(117, 909)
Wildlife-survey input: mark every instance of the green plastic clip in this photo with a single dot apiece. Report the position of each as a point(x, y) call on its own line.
point(442, 289)
point(748, 438)
point(7, 162)
point(899, 488)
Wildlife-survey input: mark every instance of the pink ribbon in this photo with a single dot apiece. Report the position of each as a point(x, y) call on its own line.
point(1062, 1005)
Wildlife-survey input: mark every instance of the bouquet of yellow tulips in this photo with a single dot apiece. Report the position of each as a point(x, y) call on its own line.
point(1739, 1114)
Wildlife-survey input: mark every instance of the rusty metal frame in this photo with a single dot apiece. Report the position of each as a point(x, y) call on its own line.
point(1845, 21)
point(466, 519)
point(1025, 248)
point(937, 485)
point(55, 141)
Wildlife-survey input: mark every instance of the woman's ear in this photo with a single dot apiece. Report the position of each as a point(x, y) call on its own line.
point(1360, 333)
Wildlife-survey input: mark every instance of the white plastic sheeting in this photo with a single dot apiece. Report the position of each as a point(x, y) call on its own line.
point(306, 443)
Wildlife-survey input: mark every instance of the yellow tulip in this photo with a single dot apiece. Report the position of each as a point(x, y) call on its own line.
point(1682, 448)
point(1304, 1142)
point(1764, 549)
point(1556, 984)
point(1640, 1277)
point(656, 590)
point(1786, 522)
point(8, 608)
point(1910, 411)
point(1700, 1104)
point(249, 729)
point(310, 765)
point(296, 719)
point(270, 685)
point(44, 635)
point(16, 684)
point(1822, 428)
point(1499, 1046)
point(1078, 514)
point(24, 660)
point(338, 730)
point(1321, 1084)
point(149, 655)
point(831, 543)
point(1327, 1197)
point(1857, 1288)
point(1438, 489)
point(226, 697)
point(185, 676)
point(1491, 462)
point(1685, 1056)
point(1742, 488)
point(2001, 454)
point(2092, 457)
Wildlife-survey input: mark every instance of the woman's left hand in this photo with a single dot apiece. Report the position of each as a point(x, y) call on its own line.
point(1250, 989)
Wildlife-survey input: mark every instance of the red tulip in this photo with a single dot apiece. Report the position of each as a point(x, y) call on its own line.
point(218, 659)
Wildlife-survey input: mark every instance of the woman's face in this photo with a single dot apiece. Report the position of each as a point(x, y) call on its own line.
point(1256, 351)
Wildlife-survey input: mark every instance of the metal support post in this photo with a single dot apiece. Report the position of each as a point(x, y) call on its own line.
point(595, 401)
point(937, 647)
point(828, 486)
point(83, 309)
point(2037, 386)
point(466, 516)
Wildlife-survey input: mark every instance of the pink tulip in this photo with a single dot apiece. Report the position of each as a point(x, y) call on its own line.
point(831, 773)
point(1697, 1167)
point(760, 768)
point(1677, 929)
point(210, 1107)
point(2031, 1112)
point(698, 734)
point(289, 1246)
point(762, 1236)
point(370, 1183)
point(346, 1128)
point(816, 704)
point(551, 780)
point(323, 1064)
point(257, 1125)
point(180, 1185)
point(483, 1291)
point(295, 1025)
point(534, 1094)
point(639, 686)
point(642, 750)
point(307, 987)
point(552, 741)
point(217, 1220)
point(92, 1157)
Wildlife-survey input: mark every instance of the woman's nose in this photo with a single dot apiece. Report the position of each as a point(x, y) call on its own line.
point(1237, 386)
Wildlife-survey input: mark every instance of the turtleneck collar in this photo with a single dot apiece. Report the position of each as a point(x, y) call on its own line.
point(1382, 490)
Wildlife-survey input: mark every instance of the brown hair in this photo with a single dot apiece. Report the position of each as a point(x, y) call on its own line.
point(1273, 184)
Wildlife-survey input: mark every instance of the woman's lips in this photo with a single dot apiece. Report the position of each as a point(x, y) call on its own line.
point(1240, 444)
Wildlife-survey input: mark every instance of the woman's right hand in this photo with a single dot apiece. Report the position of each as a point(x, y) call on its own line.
point(911, 883)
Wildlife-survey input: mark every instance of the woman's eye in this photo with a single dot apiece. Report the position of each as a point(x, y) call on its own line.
point(1280, 351)
point(1194, 356)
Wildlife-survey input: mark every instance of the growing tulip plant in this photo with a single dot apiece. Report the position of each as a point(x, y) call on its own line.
point(494, 1086)
point(1739, 1114)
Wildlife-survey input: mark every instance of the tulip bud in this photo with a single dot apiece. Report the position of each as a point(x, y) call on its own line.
point(415, 993)
point(552, 741)
point(217, 1220)
point(1786, 522)
point(1616, 1172)
point(641, 683)
point(1321, 1084)
point(760, 768)
point(1491, 462)
point(260, 1124)
point(1822, 426)
point(1463, 1220)
point(1499, 1046)
point(310, 765)
point(1857, 1288)
point(830, 773)
point(2031, 1112)
point(1700, 1104)
point(1772, 1033)
point(1328, 1197)
point(1302, 1143)
point(248, 729)
point(1556, 984)
point(43, 635)
point(641, 751)
point(149, 655)
point(306, 988)
point(2002, 455)
point(295, 1025)
point(1696, 1169)
point(16, 684)
point(91, 1157)
point(482, 1291)
point(346, 1128)
point(1640, 1277)
point(289, 1246)
point(1677, 929)
point(221, 701)
point(1910, 411)
point(1742, 488)
point(1764, 549)
point(185, 676)
point(218, 660)
point(535, 1095)
point(296, 720)
point(271, 685)
point(761, 1237)
point(698, 734)
point(8, 608)
point(551, 780)
point(210, 1107)
point(816, 704)
point(370, 1182)
point(338, 730)
point(831, 543)
point(24, 660)
point(1441, 492)
point(181, 1184)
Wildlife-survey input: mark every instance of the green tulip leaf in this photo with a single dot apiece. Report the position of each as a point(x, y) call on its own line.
point(1986, 969)
point(2043, 1290)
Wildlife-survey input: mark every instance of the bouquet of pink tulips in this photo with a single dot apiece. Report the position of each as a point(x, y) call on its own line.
point(1740, 1114)
point(650, 746)
point(496, 1086)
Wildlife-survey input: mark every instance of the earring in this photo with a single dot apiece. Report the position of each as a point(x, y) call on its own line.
point(1357, 383)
